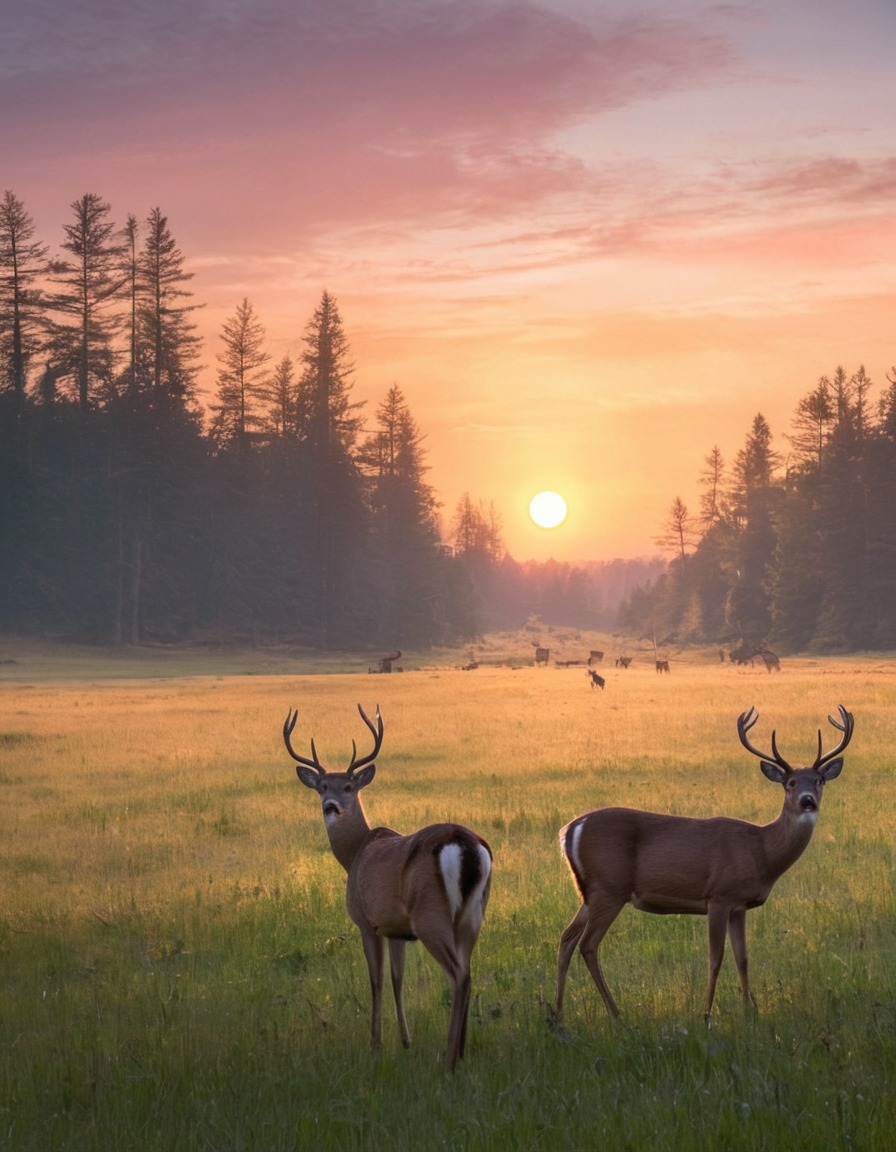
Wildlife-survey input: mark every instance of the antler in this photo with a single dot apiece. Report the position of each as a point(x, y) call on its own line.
point(745, 722)
point(315, 764)
point(377, 741)
point(846, 727)
point(288, 725)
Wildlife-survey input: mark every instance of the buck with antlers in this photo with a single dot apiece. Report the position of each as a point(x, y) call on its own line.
point(431, 886)
point(718, 867)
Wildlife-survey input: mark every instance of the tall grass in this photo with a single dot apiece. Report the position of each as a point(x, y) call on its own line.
point(179, 971)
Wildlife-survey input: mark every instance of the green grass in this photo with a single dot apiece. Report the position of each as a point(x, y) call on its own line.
point(178, 970)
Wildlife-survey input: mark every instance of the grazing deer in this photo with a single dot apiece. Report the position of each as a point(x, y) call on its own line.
point(597, 681)
point(770, 660)
point(718, 867)
point(387, 661)
point(662, 665)
point(431, 886)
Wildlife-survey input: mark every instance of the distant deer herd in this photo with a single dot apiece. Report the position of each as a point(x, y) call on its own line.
point(433, 885)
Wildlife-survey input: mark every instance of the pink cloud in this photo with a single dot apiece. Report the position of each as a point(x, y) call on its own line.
point(357, 111)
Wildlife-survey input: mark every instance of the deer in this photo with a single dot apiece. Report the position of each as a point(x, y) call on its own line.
point(716, 867)
point(432, 885)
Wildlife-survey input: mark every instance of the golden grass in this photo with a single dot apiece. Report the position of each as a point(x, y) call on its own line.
point(134, 790)
point(173, 920)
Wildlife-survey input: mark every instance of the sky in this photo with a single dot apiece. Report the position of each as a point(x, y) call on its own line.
point(589, 241)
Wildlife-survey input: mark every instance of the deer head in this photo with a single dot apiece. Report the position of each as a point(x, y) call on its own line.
point(338, 791)
point(803, 786)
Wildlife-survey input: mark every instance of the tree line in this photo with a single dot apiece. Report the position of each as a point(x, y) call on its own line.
point(130, 514)
point(792, 547)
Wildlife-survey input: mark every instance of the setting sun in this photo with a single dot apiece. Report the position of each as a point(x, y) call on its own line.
point(548, 509)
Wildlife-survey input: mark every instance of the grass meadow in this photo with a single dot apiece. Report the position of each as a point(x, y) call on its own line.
point(179, 972)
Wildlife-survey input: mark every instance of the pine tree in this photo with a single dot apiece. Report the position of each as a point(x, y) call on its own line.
point(283, 404)
point(811, 425)
point(90, 286)
point(679, 531)
point(23, 262)
point(843, 493)
point(329, 424)
point(169, 345)
point(405, 536)
point(242, 377)
point(754, 498)
point(328, 428)
point(132, 281)
point(712, 480)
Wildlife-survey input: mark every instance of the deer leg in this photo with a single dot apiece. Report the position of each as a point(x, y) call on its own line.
point(737, 933)
point(466, 935)
point(460, 1014)
point(569, 940)
point(373, 951)
point(446, 952)
point(599, 919)
point(396, 972)
point(717, 920)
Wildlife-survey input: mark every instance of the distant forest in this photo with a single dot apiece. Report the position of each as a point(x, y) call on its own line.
point(793, 548)
point(130, 513)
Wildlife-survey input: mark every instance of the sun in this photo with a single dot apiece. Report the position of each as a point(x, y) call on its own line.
point(548, 509)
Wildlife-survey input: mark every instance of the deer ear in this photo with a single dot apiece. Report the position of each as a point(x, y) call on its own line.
point(308, 777)
point(364, 776)
point(832, 771)
point(773, 772)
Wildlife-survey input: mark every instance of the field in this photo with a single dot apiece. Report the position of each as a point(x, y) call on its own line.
point(179, 971)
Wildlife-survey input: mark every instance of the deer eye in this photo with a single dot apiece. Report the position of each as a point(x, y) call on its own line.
point(791, 783)
point(347, 788)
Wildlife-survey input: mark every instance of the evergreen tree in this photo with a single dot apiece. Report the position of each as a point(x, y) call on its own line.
point(842, 558)
point(90, 285)
point(329, 423)
point(811, 426)
point(283, 409)
point(132, 281)
point(880, 582)
point(242, 377)
point(169, 345)
point(679, 533)
point(712, 480)
point(476, 530)
point(23, 263)
point(405, 536)
point(328, 428)
point(754, 500)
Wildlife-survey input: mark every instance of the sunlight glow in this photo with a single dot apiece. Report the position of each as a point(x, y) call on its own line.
point(548, 509)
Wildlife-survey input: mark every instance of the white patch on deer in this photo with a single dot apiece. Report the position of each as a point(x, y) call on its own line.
point(450, 864)
point(572, 834)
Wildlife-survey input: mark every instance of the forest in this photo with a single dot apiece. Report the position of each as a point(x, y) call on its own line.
point(131, 512)
point(794, 548)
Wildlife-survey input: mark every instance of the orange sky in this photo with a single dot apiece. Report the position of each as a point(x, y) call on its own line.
point(587, 240)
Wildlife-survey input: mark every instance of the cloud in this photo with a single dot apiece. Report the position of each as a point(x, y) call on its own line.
point(383, 110)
